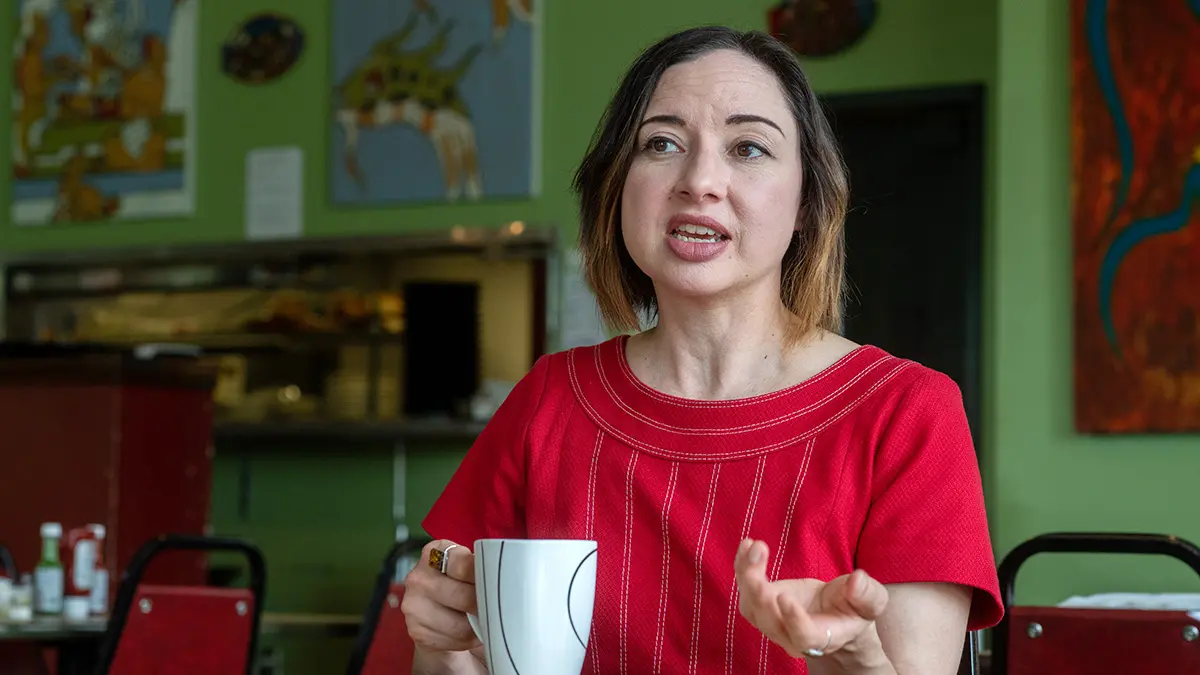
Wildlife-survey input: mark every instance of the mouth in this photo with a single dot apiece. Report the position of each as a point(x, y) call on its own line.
point(697, 229)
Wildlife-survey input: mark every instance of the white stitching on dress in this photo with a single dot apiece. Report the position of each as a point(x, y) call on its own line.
point(733, 454)
point(666, 566)
point(722, 431)
point(777, 562)
point(697, 593)
point(753, 400)
point(733, 590)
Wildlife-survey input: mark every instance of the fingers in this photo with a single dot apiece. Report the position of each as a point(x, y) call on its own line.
point(435, 627)
point(436, 605)
point(802, 631)
point(756, 596)
point(781, 610)
point(455, 589)
point(859, 600)
point(750, 564)
point(460, 562)
point(866, 596)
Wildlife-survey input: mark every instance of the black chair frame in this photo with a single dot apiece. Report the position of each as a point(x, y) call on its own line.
point(131, 578)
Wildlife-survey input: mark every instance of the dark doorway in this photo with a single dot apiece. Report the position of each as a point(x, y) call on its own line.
point(914, 231)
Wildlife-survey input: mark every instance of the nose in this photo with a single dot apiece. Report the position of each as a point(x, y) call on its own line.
point(704, 176)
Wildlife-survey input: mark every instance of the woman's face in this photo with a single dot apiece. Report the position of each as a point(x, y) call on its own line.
point(711, 200)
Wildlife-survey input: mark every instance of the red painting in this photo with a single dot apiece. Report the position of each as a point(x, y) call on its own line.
point(1135, 195)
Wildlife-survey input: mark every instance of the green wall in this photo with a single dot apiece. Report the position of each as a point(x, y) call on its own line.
point(1043, 475)
point(587, 44)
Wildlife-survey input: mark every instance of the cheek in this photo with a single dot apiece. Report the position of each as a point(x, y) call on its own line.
point(639, 201)
point(773, 204)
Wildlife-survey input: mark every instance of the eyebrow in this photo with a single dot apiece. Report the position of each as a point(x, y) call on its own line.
point(732, 120)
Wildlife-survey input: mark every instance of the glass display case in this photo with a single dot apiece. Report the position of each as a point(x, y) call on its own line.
point(410, 335)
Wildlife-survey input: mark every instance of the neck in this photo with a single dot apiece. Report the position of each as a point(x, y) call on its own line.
point(716, 351)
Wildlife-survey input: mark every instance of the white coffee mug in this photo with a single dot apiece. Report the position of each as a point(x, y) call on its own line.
point(535, 600)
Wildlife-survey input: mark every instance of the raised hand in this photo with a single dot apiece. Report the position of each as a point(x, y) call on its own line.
point(807, 617)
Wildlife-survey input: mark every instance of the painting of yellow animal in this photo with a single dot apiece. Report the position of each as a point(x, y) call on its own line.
point(429, 106)
point(103, 110)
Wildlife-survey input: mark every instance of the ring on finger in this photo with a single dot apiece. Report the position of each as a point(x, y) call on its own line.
point(817, 653)
point(439, 558)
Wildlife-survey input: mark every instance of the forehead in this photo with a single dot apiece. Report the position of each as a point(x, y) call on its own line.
point(721, 83)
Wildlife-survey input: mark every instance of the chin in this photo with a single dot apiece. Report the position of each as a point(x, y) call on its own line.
point(694, 284)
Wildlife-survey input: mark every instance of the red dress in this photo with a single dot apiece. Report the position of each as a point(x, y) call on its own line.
point(867, 465)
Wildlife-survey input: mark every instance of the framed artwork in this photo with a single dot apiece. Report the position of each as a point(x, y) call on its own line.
point(103, 110)
point(820, 28)
point(262, 49)
point(1135, 198)
point(434, 101)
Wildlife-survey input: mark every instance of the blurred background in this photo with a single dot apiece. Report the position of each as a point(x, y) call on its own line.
point(270, 267)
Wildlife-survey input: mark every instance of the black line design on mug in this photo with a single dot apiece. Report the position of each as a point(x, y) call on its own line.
point(500, 607)
point(570, 616)
point(486, 622)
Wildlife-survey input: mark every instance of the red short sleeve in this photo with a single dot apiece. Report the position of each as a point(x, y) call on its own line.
point(926, 521)
point(486, 496)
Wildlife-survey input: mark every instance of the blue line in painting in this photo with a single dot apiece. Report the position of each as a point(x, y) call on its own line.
point(1138, 232)
point(1096, 21)
point(1196, 8)
point(109, 184)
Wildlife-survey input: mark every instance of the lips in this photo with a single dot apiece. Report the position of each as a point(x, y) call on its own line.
point(694, 228)
point(697, 239)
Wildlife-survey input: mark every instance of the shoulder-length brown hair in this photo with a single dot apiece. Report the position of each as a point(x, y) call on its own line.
point(813, 268)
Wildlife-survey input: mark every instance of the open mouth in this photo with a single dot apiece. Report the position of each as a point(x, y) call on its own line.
point(698, 234)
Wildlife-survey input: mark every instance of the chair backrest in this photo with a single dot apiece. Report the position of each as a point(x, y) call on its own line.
point(383, 644)
point(183, 630)
point(391, 650)
point(1031, 640)
point(173, 630)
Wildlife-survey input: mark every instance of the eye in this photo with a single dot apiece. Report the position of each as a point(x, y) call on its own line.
point(748, 150)
point(659, 144)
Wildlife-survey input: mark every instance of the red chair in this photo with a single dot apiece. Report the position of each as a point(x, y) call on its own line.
point(1073, 641)
point(393, 651)
point(183, 630)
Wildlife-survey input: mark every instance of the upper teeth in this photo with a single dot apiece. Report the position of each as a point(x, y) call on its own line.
point(698, 229)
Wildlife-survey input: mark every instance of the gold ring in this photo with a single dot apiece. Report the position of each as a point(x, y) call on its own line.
point(439, 558)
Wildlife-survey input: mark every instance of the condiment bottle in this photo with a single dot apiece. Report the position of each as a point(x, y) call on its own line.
point(79, 555)
point(98, 600)
point(48, 575)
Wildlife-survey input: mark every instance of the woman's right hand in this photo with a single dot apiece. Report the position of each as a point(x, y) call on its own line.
point(436, 605)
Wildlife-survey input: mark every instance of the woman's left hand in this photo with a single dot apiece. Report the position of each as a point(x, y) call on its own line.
point(807, 614)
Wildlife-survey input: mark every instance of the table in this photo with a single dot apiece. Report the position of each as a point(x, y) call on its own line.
point(52, 628)
point(331, 625)
point(78, 643)
point(55, 629)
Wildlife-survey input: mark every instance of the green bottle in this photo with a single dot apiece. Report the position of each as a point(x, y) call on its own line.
point(48, 575)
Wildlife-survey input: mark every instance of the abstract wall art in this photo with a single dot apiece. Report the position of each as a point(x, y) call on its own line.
point(1135, 198)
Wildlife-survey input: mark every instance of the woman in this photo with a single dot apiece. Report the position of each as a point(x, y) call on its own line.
point(769, 494)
